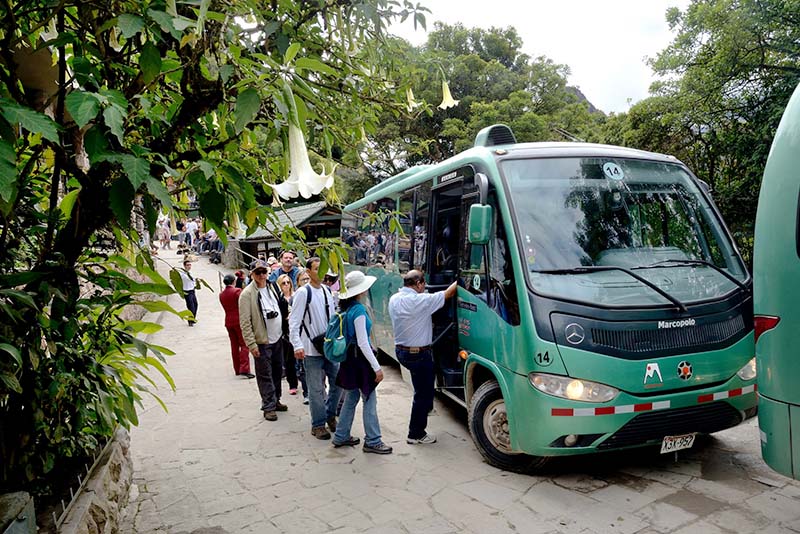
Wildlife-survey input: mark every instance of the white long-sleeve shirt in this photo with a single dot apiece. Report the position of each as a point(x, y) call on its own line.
point(362, 338)
point(317, 320)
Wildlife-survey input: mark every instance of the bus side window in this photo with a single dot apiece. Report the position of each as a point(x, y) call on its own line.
point(403, 242)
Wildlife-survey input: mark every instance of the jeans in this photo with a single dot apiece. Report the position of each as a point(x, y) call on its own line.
point(300, 371)
point(321, 405)
point(421, 366)
point(191, 303)
point(269, 368)
point(369, 408)
point(289, 366)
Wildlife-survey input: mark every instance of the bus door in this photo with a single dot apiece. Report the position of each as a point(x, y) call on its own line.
point(444, 230)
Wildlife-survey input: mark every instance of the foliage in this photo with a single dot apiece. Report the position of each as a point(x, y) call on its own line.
point(727, 76)
point(495, 82)
point(111, 111)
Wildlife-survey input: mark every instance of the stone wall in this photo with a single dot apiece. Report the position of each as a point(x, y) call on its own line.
point(98, 508)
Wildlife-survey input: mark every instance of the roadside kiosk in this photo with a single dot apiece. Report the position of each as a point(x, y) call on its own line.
point(776, 268)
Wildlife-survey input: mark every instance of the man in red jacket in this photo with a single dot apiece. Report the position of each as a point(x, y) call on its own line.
point(229, 298)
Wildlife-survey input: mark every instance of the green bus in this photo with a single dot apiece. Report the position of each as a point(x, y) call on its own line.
point(602, 304)
point(776, 266)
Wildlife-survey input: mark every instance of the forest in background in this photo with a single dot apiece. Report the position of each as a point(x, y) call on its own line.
point(724, 82)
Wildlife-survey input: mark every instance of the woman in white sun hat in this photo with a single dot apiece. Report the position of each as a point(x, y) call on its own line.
point(360, 373)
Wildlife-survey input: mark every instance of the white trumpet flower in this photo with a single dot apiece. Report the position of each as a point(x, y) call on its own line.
point(412, 104)
point(303, 179)
point(447, 98)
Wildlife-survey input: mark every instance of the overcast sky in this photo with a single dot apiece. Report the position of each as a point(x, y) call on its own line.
point(604, 42)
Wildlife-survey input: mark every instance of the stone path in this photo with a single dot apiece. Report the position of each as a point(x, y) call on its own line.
point(212, 464)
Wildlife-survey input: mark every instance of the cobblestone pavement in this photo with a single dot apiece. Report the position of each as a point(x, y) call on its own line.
point(212, 464)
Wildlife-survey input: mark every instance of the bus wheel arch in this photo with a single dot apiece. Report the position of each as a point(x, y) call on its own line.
point(490, 429)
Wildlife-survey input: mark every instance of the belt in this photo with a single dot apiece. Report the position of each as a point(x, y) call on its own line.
point(413, 350)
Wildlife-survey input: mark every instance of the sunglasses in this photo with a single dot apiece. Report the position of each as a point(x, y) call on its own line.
point(285, 282)
point(260, 271)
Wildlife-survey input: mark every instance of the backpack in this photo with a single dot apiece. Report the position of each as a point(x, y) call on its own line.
point(336, 345)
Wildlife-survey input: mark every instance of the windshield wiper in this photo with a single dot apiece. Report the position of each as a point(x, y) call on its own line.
point(679, 263)
point(599, 268)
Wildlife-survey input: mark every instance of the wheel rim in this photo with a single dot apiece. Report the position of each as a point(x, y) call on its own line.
point(495, 425)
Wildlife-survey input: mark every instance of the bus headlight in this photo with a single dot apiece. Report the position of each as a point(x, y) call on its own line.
point(748, 372)
point(572, 388)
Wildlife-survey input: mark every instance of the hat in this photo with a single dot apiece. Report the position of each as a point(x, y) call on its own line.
point(356, 283)
point(259, 264)
point(271, 260)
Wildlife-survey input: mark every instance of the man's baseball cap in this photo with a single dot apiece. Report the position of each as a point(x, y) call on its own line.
point(259, 264)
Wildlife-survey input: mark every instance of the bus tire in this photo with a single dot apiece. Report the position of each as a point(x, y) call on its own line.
point(488, 427)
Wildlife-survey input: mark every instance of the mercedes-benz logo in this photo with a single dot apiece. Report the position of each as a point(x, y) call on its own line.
point(574, 333)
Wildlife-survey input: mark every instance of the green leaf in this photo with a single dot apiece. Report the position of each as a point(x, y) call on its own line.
point(8, 170)
point(177, 281)
point(247, 105)
point(82, 106)
point(13, 351)
point(143, 327)
point(130, 25)
point(137, 169)
point(157, 189)
point(68, 202)
point(114, 120)
point(225, 72)
point(212, 205)
point(315, 65)
point(162, 19)
point(95, 144)
point(11, 383)
point(31, 120)
point(156, 305)
point(121, 200)
point(291, 52)
point(150, 62)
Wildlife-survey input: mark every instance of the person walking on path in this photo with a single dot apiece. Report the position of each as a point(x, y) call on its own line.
point(410, 310)
point(360, 373)
point(189, 284)
point(240, 354)
point(287, 267)
point(289, 362)
point(312, 306)
point(260, 319)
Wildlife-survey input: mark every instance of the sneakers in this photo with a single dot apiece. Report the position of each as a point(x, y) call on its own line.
point(305, 400)
point(427, 439)
point(380, 448)
point(282, 407)
point(270, 416)
point(319, 432)
point(332, 423)
point(349, 442)
point(293, 391)
point(247, 375)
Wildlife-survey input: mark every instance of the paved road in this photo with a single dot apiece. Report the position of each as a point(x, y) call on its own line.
point(212, 464)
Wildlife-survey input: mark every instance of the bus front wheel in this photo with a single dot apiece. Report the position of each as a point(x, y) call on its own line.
point(489, 428)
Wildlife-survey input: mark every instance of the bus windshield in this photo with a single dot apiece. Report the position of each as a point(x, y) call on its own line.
point(648, 217)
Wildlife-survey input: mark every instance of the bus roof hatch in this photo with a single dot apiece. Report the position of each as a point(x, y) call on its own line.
point(497, 134)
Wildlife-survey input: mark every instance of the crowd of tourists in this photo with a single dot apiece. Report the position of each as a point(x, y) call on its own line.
point(278, 313)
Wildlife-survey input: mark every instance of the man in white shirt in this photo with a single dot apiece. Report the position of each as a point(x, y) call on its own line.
point(260, 318)
point(308, 320)
point(410, 310)
point(189, 284)
point(191, 232)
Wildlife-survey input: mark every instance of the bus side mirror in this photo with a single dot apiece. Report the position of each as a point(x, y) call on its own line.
point(480, 224)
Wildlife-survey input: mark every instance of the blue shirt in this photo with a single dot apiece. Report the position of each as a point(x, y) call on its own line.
point(273, 277)
point(411, 316)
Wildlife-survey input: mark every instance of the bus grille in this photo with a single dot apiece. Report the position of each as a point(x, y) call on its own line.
point(653, 426)
point(668, 339)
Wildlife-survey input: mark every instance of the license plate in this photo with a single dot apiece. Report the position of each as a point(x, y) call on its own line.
point(676, 443)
